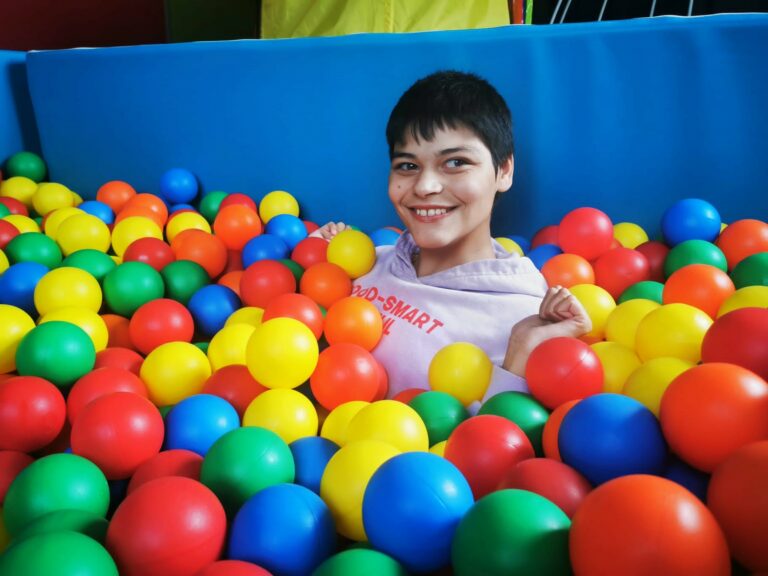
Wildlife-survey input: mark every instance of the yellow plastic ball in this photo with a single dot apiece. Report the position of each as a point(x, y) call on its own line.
point(648, 383)
point(621, 325)
point(282, 353)
point(67, 287)
point(288, 413)
point(510, 245)
point(354, 251)
point(675, 330)
point(618, 363)
point(77, 197)
point(629, 234)
point(131, 229)
point(227, 347)
point(81, 232)
point(20, 188)
point(14, 325)
point(277, 202)
point(747, 297)
point(55, 219)
point(4, 264)
point(51, 196)
point(439, 448)
point(91, 323)
point(337, 422)
point(250, 315)
point(598, 303)
point(22, 223)
point(462, 370)
point(345, 479)
point(174, 371)
point(186, 221)
point(392, 422)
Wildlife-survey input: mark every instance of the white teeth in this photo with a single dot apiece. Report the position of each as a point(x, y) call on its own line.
point(431, 211)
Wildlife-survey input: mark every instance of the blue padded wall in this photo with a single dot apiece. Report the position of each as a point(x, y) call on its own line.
point(17, 122)
point(625, 115)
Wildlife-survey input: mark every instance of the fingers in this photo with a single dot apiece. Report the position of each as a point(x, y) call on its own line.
point(329, 230)
point(557, 304)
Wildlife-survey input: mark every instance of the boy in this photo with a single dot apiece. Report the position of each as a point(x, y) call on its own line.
point(446, 280)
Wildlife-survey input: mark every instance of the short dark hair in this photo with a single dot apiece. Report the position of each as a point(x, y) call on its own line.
point(452, 99)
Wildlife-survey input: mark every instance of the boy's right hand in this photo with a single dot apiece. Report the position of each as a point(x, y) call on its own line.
point(329, 230)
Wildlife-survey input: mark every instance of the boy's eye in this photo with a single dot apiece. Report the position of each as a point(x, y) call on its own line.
point(406, 166)
point(456, 163)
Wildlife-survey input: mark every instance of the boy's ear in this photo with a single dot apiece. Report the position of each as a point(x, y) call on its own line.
point(505, 174)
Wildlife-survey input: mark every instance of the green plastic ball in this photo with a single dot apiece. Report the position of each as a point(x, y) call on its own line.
point(360, 561)
point(182, 279)
point(130, 285)
point(523, 410)
point(210, 204)
point(96, 263)
point(83, 521)
point(58, 351)
point(440, 412)
point(4, 211)
point(33, 247)
point(52, 483)
point(295, 268)
point(202, 345)
point(244, 461)
point(512, 532)
point(694, 252)
point(27, 164)
point(647, 290)
point(60, 553)
point(751, 271)
point(165, 409)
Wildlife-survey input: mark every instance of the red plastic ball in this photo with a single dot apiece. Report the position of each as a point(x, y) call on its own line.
point(620, 268)
point(711, 410)
point(549, 437)
point(201, 247)
point(325, 283)
point(32, 413)
point(233, 568)
point(14, 206)
point(167, 463)
point(118, 432)
point(554, 480)
point(7, 233)
point(264, 280)
point(700, 285)
point(739, 337)
point(235, 384)
point(298, 307)
point(344, 372)
point(100, 382)
point(12, 462)
point(737, 497)
point(741, 239)
point(383, 390)
point(563, 369)
point(405, 396)
point(484, 448)
point(117, 357)
point(119, 333)
point(353, 320)
point(642, 525)
point(238, 199)
point(172, 525)
point(234, 262)
point(310, 226)
point(568, 270)
point(151, 251)
point(236, 225)
point(310, 251)
point(546, 235)
point(158, 322)
point(585, 231)
point(656, 253)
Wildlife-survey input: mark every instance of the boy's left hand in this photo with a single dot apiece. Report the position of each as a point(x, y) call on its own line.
point(560, 314)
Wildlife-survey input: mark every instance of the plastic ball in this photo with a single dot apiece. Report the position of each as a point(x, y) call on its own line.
point(563, 369)
point(650, 524)
point(286, 528)
point(545, 235)
point(282, 353)
point(12, 462)
point(8, 232)
point(646, 290)
point(353, 320)
point(32, 413)
point(484, 448)
point(440, 412)
point(151, 251)
point(699, 285)
point(100, 382)
point(179, 222)
point(205, 249)
point(167, 463)
point(228, 346)
point(65, 288)
point(233, 568)
point(81, 521)
point(675, 330)
point(739, 337)
point(26, 164)
point(211, 204)
point(236, 225)
point(33, 247)
point(160, 321)
point(4, 264)
point(384, 237)
point(60, 352)
point(289, 228)
point(286, 412)
point(265, 280)
point(411, 508)
point(587, 232)
point(345, 480)
point(55, 219)
point(751, 271)
point(598, 304)
point(695, 481)
point(691, 218)
point(15, 323)
point(264, 247)
point(336, 424)
point(325, 283)
point(51, 483)
point(344, 372)
point(178, 185)
point(235, 384)
point(245, 461)
point(17, 285)
point(119, 331)
point(512, 532)
point(621, 325)
point(711, 410)
point(51, 196)
point(211, 306)
point(629, 234)
point(61, 552)
point(277, 202)
point(618, 363)
point(507, 243)
point(648, 383)
point(298, 307)
point(619, 268)
point(95, 263)
point(174, 371)
point(549, 436)
point(656, 253)
point(392, 422)
point(520, 408)
point(353, 251)
point(694, 252)
point(130, 285)
point(183, 278)
point(115, 194)
point(14, 206)
point(186, 521)
point(197, 422)
point(131, 229)
point(310, 251)
point(567, 270)
point(736, 497)
point(83, 231)
point(117, 357)
point(23, 224)
point(91, 323)
point(462, 370)
point(356, 561)
point(543, 253)
point(742, 239)
point(101, 210)
point(238, 199)
point(311, 455)
point(146, 206)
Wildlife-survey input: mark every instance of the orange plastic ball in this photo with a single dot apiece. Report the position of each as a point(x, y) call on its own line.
point(115, 194)
point(549, 436)
point(147, 205)
point(325, 283)
point(236, 225)
point(299, 307)
point(700, 285)
point(232, 281)
point(741, 239)
point(119, 332)
point(353, 320)
point(568, 270)
point(203, 248)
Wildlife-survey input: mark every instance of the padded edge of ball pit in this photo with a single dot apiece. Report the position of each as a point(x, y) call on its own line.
point(17, 119)
point(625, 115)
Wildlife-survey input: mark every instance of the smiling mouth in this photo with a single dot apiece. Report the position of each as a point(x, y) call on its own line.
point(429, 214)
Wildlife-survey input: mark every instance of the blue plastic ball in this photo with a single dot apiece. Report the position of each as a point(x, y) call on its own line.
point(101, 210)
point(542, 253)
point(695, 481)
point(264, 247)
point(197, 422)
point(178, 185)
point(17, 285)
point(522, 241)
point(178, 207)
point(609, 435)
point(286, 529)
point(289, 228)
point(211, 306)
point(311, 456)
point(384, 237)
point(690, 219)
point(411, 509)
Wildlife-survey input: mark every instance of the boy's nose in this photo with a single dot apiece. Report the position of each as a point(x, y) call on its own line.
point(428, 183)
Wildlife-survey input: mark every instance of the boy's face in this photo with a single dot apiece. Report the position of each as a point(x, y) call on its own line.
point(443, 190)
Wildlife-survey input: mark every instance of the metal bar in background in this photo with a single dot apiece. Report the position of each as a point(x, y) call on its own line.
point(602, 11)
point(653, 8)
point(565, 11)
point(554, 14)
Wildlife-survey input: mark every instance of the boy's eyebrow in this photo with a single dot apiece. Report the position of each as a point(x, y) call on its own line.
point(445, 152)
